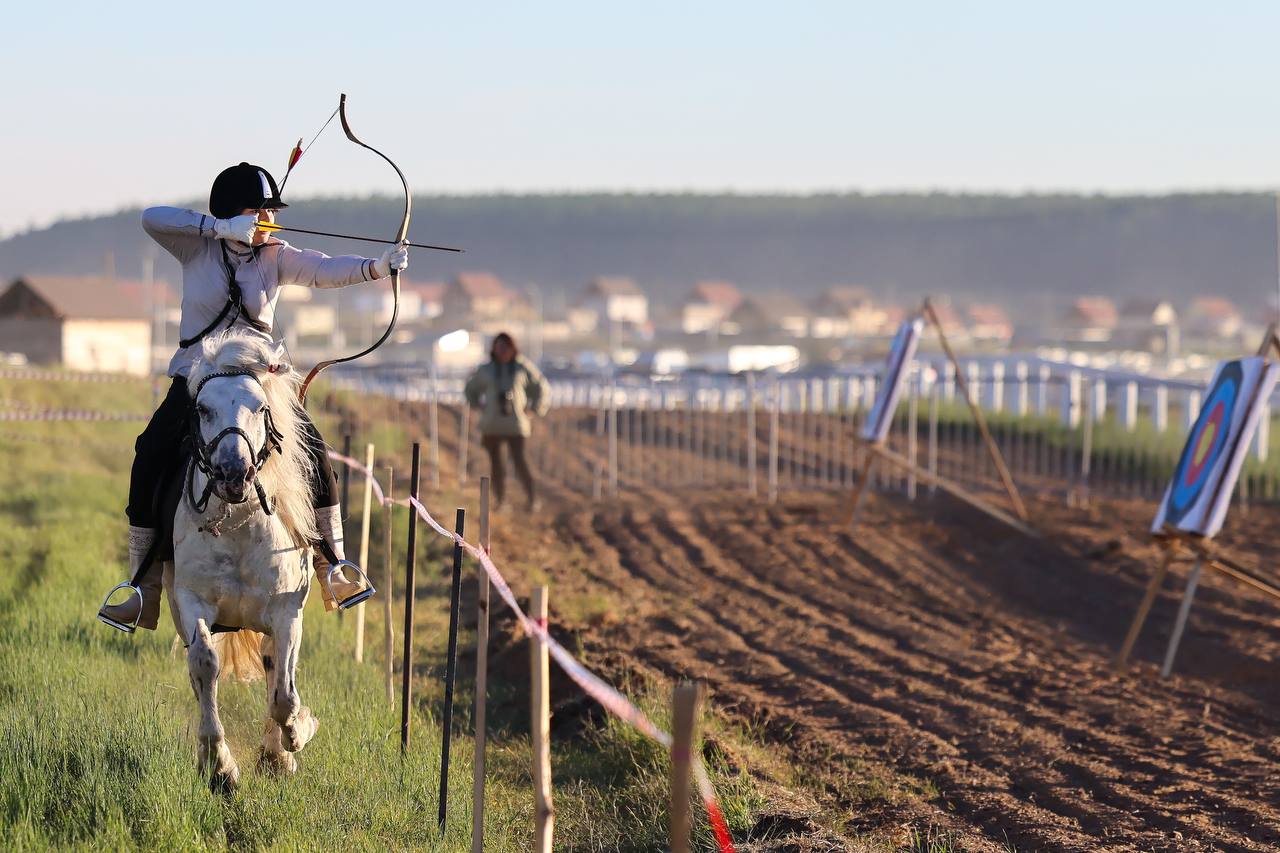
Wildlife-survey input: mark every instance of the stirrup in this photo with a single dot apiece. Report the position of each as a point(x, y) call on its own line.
point(127, 627)
point(356, 598)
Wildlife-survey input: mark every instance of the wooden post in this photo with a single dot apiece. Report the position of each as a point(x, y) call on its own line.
point(450, 668)
point(774, 415)
point(406, 681)
point(482, 678)
point(1086, 458)
point(751, 434)
point(1140, 617)
point(913, 427)
point(978, 417)
point(346, 477)
point(933, 435)
point(433, 413)
point(464, 440)
point(686, 702)
point(388, 629)
point(540, 718)
point(364, 544)
point(1184, 610)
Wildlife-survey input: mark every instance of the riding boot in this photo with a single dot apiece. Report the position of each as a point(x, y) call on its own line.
point(336, 590)
point(144, 611)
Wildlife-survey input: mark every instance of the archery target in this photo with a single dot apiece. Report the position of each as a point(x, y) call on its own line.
point(903, 348)
point(1200, 490)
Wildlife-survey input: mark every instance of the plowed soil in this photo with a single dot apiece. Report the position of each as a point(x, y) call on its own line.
point(934, 668)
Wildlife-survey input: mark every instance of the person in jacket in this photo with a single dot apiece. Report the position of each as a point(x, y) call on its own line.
point(232, 272)
point(509, 389)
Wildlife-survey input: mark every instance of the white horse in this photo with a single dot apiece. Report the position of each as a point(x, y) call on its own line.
point(242, 546)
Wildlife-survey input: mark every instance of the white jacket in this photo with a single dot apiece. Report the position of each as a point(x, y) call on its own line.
point(188, 236)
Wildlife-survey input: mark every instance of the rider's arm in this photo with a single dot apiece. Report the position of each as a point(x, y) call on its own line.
point(309, 268)
point(181, 232)
point(475, 388)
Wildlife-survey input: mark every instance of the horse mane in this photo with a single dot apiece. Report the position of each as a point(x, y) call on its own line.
point(287, 477)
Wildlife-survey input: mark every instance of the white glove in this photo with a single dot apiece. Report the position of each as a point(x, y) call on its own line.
point(394, 258)
point(239, 228)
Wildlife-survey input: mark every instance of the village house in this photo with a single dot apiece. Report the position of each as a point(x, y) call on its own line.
point(614, 299)
point(843, 310)
point(1089, 320)
point(419, 300)
point(708, 304)
point(989, 325)
point(88, 323)
point(481, 297)
point(1149, 325)
point(1212, 319)
point(766, 316)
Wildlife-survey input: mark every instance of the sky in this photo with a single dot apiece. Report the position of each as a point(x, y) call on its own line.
point(117, 105)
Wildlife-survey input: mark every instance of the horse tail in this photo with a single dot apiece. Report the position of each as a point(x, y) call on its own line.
point(240, 654)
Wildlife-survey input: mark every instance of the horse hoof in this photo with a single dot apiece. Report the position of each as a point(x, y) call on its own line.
point(225, 782)
point(296, 735)
point(277, 763)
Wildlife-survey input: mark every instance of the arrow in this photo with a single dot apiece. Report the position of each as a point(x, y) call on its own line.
point(271, 226)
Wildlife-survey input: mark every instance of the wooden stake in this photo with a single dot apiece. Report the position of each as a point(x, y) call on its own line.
point(864, 476)
point(406, 681)
point(388, 629)
point(450, 668)
point(1005, 477)
point(751, 434)
point(1180, 625)
point(1144, 607)
point(540, 718)
point(686, 701)
point(482, 678)
point(364, 545)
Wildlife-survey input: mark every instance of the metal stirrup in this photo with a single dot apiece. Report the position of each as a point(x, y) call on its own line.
point(352, 600)
point(127, 627)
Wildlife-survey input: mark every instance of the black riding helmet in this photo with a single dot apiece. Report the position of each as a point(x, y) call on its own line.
point(242, 187)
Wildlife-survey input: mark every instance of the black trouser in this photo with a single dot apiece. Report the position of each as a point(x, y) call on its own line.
point(157, 448)
point(493, 444)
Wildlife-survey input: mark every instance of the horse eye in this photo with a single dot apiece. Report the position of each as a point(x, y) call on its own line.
point(203, 410)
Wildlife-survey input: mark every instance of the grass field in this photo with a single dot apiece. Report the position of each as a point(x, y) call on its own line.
point(97, 746)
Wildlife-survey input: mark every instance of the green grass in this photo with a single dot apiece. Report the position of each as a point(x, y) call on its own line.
point(97, 747)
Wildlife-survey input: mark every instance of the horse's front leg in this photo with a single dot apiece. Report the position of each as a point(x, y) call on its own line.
point(215, 756)
point(274, 757)
point(297, 725)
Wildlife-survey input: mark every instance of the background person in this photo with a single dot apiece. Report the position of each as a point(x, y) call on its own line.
point(510, 390)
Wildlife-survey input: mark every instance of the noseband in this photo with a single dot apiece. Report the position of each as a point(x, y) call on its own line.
point(202, 452)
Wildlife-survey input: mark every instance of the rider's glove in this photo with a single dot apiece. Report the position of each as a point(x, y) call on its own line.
point(394, 258)
point(239, 228)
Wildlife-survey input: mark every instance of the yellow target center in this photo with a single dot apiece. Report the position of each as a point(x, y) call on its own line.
point(1205, 444)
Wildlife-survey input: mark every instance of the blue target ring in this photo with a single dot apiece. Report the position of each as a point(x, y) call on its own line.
point(1205, 444)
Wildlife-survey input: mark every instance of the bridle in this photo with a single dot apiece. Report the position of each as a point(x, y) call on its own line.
point(202, 451)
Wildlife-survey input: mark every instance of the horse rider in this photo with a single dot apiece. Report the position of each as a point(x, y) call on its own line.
point(232, 272)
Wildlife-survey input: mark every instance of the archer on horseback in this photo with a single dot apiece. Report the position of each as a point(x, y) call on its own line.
point(232, 272)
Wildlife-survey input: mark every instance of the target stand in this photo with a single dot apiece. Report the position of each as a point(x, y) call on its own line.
point(875, 431)
point(1199, 494)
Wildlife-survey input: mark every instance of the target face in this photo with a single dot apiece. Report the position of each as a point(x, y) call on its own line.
point(1193, 478)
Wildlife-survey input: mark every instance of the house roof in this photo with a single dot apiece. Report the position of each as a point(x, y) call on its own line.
point(81, 297)
point(1094, 311)
point(723, 293)
point(845, 297)
point(481, 284)
point(614, 285)
point(988, 315)
point(771, 305)
point(1214, 308)
point(427, 291)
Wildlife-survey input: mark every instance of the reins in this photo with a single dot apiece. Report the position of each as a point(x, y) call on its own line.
point(202, 452)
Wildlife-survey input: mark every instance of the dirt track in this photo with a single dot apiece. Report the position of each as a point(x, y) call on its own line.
point(934, 646)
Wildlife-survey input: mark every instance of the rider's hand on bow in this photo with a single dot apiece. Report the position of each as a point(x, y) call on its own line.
point(394, 258)
point(239, 228)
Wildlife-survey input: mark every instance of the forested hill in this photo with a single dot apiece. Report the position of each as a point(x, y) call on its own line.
point(1029, 252)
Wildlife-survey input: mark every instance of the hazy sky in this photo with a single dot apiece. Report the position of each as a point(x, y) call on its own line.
point(110, 105)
